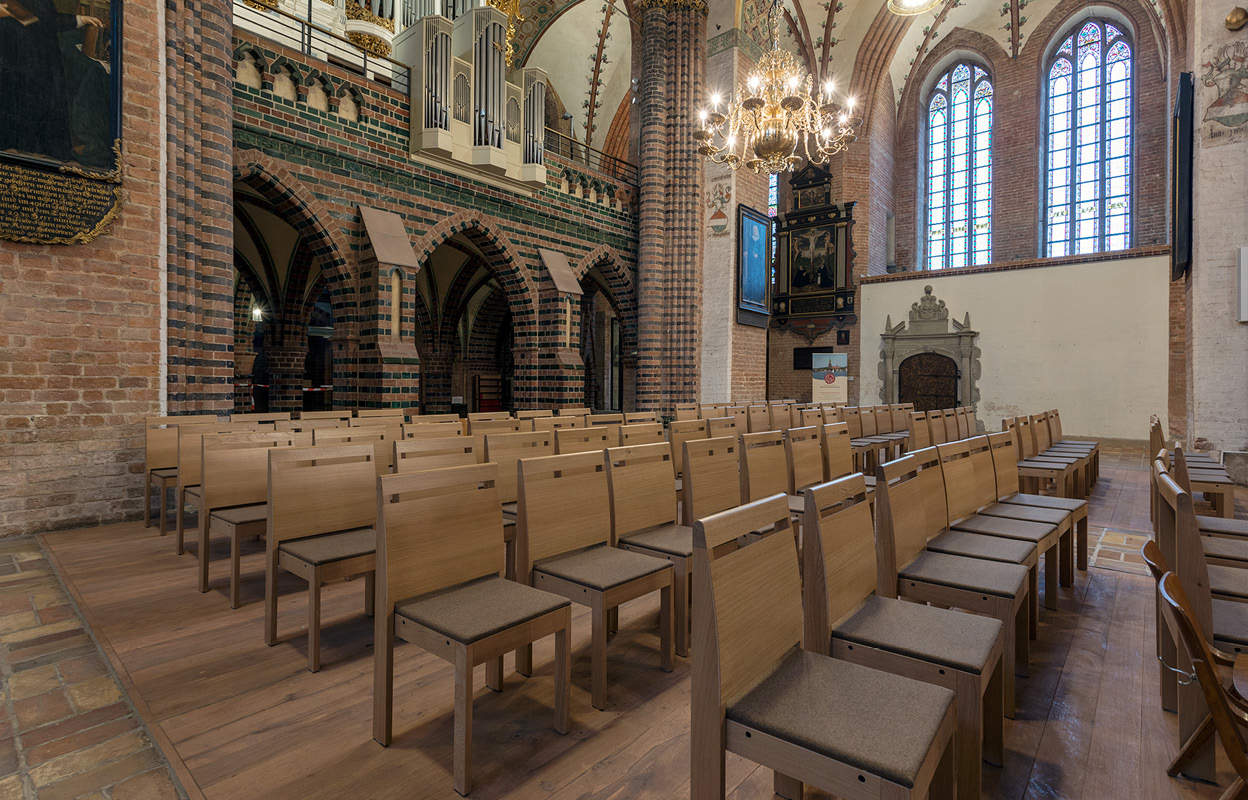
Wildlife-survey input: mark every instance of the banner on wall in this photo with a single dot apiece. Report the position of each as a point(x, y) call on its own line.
point(829, 378)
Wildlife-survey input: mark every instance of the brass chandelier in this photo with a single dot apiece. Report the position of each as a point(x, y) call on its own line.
point(777, 120)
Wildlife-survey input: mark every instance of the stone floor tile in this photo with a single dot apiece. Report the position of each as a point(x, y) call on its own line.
point(88, 758)
point(56, 613)
point(95, 693)
point(19, 637)
point(18, 621)
point(42, 709)
point(154, 785)
point(85, 667)
point(80, 740)
point(34, 681)
point(11, 788)
point(78, 722)
point(105, 775)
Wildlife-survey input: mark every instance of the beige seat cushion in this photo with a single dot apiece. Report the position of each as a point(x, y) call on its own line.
point(971, 574)
point(1009, 528)
point(193, 492)
point(1225, 547)
point(330, 547)
point(1230, 621)
point(873, 721)
point(1212, 476)
point(869, 440)
point(602, 567)
point(1033, 464)
point(1228, 581)
point(1219, 525)
point(1078, 443)
point(1048, 516)
point(797, 503)
point(511, 509)
point(935, 635)
point(472, 611)
point(674, 539)
point(1071, 504)
point(989, 548)
point(165, 474)
point(241, 515)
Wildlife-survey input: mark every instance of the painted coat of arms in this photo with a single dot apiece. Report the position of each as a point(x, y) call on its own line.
point(717, 199)
point(1224, 74)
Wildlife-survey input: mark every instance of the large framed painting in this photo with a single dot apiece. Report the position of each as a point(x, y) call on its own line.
point(60, 118)
point(753, 267)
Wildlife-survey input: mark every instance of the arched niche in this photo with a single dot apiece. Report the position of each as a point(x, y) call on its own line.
point(929, 331)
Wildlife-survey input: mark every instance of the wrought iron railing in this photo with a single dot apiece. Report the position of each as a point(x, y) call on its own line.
point(579, 153)
point(302, 34)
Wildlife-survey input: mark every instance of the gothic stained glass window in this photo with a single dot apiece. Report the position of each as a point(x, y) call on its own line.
point(773, 194)
point(959, 169)
point(1088, 174)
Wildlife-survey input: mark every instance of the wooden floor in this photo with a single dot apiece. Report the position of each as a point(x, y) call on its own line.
point(240, 720)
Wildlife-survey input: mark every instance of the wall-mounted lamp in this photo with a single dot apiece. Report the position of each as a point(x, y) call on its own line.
point(256, 313)
point(1237, 19)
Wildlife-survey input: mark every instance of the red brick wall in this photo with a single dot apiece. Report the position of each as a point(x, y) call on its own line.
point(81, 337)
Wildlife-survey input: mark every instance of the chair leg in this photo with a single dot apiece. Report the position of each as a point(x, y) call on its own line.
point(270, 598)
point(1051, 576)
point(179, 501)
point(1066, 546)
point(236, 569)
point(706, 755)
point(314, 621)
point(201, 533)
point(994, 718)
point(1081, 544)
point(463, 720)
point(665, 628)
point(968, 743)
point(787, 787)
point(494, 674)
point(1191, 748)
point(598, 654)
point(943, 782)
point(383, 685)
point(563, 673)
point(147, 502)
point(1022, 644)
point(680, 599)
point(524, 660)
point(1008, 658)
point(370, 597)
point(1033, 601)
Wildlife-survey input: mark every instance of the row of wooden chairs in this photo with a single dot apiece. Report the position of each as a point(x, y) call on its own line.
point(1072, 466)
point(1208, 476)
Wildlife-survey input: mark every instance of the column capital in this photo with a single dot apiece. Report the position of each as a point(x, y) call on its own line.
point(674, 5)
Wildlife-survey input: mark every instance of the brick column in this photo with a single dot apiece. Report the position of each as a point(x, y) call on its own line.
point(287, 368)
point(669, 252)
point(199, 101)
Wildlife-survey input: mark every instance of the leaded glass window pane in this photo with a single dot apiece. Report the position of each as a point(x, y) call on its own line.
point(959, 169)
point(1088, 161)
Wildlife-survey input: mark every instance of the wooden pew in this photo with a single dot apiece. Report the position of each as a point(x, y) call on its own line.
point(160, 460)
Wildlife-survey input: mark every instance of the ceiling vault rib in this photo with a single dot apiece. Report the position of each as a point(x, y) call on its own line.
point(1016, 34)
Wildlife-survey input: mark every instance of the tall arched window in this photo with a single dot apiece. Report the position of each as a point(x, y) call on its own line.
point(959, 169)
point(1088, 183)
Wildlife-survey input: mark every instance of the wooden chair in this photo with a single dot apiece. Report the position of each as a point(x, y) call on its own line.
point(160, 460)
point(641, 433)
point(838, 454)
point(478, 430)
point(712, 481)
point(431, 430)
point(638, 418)
point(308, 425)
point(1063, 473)
point(709, 410)
point(531, 413)
point(1091, 449)
point(781, 415)
point(1044, 449)
point(950, 417)
point(738, 413)
point(234, 475)
point(687, 411)
point(190, 461)
point(884, 429)
point(643, 519)
point(757, 419)
point(900, 415)
point(678, 433)
point(552, 424)
point(610, 422)
point(1228, 713)
point(722, 426)
point(812, 416)
point(1157, 441)
point(260, 418)
point(764, 469)
point(971, 499)
point(866, 449)
point(936, 427)
point(845, 619)
point(1217, 487)
point(381, 413)
point(378, 437)
point(1005, 468)
point(1221, 528)
point(488, 416)
point(438, 586)
point(582, 440)
point(422, 455)
point(909, 508)
point(431, 419)
point(920, 432)
point(577, 413)
point(803, 450)
point(322, 508)
point(563, 545)
point(963, 422)
point(340, 415)
point(505, 450)
point(849, 730)
point(832, 413)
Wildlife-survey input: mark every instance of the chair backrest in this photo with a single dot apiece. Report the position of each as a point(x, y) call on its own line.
point(580, 411)
point(234, 467)
point(309, 425)
point(722, 426)
point(1040, 430)
point(970, 483)
point(1004, 463)
point(190, 446)
point(420, 455)
point(920, 433)
point(431, 430)
point(609, 422)
point(866, 419)
point(640, 481)
point(641, 433)
point(909, 510)
point(803, 450)
point(899, 413)
point(436, 529)
point(340, 414)
point(487, 416)
point(708, 410)
point(375, 413)
point(505, 449)
point(832, 413)
point(1180, 615)
point(757, 418)
point(422, 419)
point(838, 556)
point(949, 418)
point(481, 428)
point(781, 415)
point(315, 490)
point(712, 480)
point(747, 608)
point(852, 416)
point(883, 419)
point(376, 436)
point(391, 425)
point(682, 431)
point(552, 424)
point(1026, 437)
point(160, 439)
point(838, 453)
point(1178, 536)
point(812, 416)
point(259, 417)
point(1156, 439)
point(583, 440)
point(686, 411)
point(564, 505)
point(764, 470)
point(530, 413)
point(936, 427)
point(963, 416)
point(739, 413)
point(637, 418)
